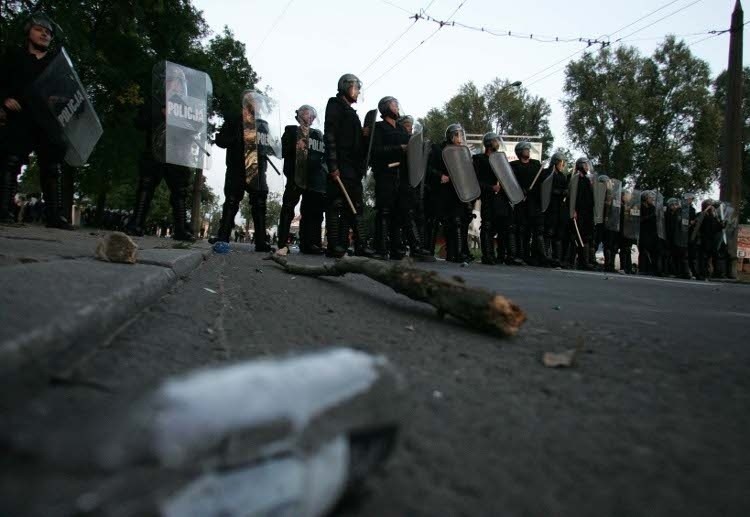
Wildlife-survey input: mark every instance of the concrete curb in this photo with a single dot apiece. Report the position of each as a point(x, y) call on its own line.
point(54, 312)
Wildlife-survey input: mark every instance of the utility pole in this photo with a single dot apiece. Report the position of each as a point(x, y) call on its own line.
point(731, 159)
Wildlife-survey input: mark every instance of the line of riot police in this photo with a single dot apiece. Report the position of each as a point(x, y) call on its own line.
point(529, 214)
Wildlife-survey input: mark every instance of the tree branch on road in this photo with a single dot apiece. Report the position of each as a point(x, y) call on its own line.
point(475, 306)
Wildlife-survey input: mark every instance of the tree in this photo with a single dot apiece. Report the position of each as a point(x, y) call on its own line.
point(498, 106)
point(513, 111)
point(114, 46)
point(677, 149)
point(603, 106)
point(647, 120)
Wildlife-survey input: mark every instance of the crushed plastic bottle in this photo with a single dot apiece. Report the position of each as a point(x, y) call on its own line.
point(221, 248)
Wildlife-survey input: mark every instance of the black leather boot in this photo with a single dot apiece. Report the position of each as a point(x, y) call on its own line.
point(382, 220)
point(8, 175)
point(513, 256)
point(179, 215)
point(258, 213)
point(55, 215)
point(334, 248)
point(488, 246)
point(144, 194)
point(228, 212)
point(361, 249)
point(285, 221)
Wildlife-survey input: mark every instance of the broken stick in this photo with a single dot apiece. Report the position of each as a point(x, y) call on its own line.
point(477, 307)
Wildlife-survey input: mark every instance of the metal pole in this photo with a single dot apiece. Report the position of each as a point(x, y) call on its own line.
point(731, 159)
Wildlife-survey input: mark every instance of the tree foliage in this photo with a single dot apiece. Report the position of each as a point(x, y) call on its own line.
point(499, 107)
point(114, 47)
point(649, 120)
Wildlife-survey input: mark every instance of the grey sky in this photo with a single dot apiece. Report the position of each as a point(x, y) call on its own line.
point(315, 42)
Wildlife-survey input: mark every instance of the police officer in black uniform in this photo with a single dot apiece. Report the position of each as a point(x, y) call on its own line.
point(557, 214)
point(388, 161)
point(583, 220)
point(236, 183)
point(529, 216)
point(22, 133)
point(495, 206)
point(447, 209)
point(151, 120)
point(303, 151)
point(345, 156)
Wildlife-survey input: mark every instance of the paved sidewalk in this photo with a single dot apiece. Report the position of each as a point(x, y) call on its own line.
point(57, 300)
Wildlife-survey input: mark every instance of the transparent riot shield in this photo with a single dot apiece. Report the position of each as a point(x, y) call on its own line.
point(600, 195)
point(547, 190)
point(660, 223)
point(308, 142)
point(507, 178)
point(261, 132)
point(62, 107)
point(572, 194)
point(179, 115)
point(682, 229)
point(728, 216)
point(631, 203)
point(317, 170)
point(460, 166)
point(416, 156)
point(614, 206)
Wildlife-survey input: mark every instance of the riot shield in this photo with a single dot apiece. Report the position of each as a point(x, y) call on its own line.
point(600, 195)
point(547, 190)
point(728, 216)
point(682, 230)
point(308, 137)
point(317, 170)
point(460, 166)
point(507, 178)
point(61, 106)
point(572, 194)
point(179, 115)
point(613, 205)
point(260, 124)
point(416, 157)
point(632, 220)
point(660, 226)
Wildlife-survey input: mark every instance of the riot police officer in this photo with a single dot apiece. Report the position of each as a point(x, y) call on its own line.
point(447, 208)
point(236, 183)
point(170, 82)
point(305, 171)
point(345, 157)
point(529, 216)
point(556, 215)
point(495, 206)
point(22, 133)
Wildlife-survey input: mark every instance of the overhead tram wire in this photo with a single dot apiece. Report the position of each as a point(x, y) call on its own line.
point(660, 19)
point(610, 35)
point(535, 37)
point(390, 45)
point(273, 26)
point(418, 45)
point(397, 6)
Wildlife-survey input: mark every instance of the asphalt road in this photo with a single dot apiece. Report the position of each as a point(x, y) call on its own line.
point(652, 420)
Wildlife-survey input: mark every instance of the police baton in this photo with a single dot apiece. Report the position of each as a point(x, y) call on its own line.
point(346, 195)
point(575, 223)
point(272, 165)
point(536, 178)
